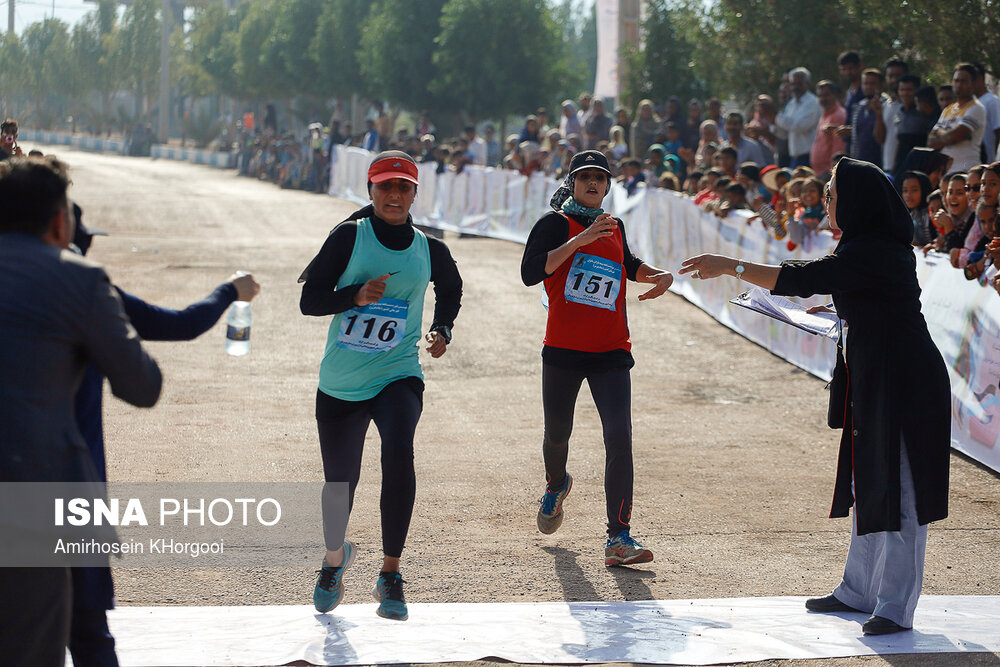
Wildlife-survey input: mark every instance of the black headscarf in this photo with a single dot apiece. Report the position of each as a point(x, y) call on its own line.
point(868, 204)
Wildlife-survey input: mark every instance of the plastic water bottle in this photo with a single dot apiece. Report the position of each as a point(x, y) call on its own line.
point(238, 328)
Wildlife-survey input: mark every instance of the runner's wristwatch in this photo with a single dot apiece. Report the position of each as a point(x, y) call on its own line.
point(444, 331)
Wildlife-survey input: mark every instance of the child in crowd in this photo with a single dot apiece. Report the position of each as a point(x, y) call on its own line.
point(655, 163)
point(718, 194)
point(707, 192)
point(812, 204)
point(935, 207)
point(734, 198)
point(632, 175)
point(791, 218)
point(673, 143)
point(669, 181)
point(748, 176)
point(977, 260)
point(914, 189)
point(692, 184)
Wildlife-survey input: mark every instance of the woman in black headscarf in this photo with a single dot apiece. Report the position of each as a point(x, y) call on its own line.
point(895, 448)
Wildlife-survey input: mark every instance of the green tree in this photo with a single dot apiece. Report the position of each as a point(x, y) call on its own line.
point(137, 51)
point(335, 45)
point(668, 63)
point(497, 57)
point(745, 46)
point(49, 70)
point(93, 44)
point(212, 43)
point(396, 52)
point(578, 20)
point(258, 63)
point(933, 36)
point(12, 58)
point(294, 25)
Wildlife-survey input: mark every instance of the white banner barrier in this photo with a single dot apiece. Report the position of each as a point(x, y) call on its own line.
point(664, 228)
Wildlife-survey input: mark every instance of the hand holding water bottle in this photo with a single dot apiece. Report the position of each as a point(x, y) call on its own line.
point(246, 287)
point(239, 318)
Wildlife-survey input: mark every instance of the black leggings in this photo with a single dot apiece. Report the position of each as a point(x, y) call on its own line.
point(612, 392)
point(342, 428)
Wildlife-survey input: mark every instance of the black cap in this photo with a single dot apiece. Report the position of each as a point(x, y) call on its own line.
point(589, 160)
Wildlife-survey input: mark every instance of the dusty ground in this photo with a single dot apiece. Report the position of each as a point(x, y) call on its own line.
point(734, 468)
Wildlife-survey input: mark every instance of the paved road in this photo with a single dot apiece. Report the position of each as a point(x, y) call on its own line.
point(734, 466)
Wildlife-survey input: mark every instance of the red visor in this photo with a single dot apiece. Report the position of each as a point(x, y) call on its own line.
point(391, 166)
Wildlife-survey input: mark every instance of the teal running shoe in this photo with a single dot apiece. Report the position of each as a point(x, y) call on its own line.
point(623, 549)
point(550, 512)
point(329, 589)
point(389, 595)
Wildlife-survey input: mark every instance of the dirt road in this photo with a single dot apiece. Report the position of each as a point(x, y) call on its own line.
point(734, 466)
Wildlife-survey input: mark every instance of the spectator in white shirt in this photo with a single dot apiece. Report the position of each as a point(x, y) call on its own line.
point(800, 117)
point(959, 131)
point(477, 147)
point(991, 135)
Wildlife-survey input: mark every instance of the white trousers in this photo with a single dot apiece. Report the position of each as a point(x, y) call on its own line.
point(885, 570)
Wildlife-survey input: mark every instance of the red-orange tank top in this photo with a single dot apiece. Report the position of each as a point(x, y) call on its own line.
point(587, 297)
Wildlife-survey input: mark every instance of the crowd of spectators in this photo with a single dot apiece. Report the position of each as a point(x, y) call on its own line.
point(772, 158)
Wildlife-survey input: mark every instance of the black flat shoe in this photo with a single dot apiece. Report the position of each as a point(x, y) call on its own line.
point(876, 625)
point(827, 605)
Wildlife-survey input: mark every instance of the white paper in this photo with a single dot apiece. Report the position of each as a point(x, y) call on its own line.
point(784, 310)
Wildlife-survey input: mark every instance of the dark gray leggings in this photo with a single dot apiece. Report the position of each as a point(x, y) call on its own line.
point(612, 392)
point(342, 428)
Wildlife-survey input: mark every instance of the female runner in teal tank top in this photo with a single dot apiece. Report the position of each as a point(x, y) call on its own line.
point(371, 274)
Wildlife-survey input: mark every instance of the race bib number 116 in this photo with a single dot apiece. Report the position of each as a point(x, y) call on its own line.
point(593, 281)
point(377, 327)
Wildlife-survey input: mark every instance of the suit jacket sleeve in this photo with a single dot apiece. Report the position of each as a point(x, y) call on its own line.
point(115, 348)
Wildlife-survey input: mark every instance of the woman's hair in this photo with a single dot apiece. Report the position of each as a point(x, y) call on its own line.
point(978, 170)
point(668, 180)
point(935, 196)
point(925, 185)
point(813, 180)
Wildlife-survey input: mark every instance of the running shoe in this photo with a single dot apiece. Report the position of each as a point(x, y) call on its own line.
point(329, 589)
point(623, 549)
point(389, 595)
point(550, 514)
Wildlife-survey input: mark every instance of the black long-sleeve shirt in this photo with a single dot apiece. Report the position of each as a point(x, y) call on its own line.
point(320, 295)
point(550, 232)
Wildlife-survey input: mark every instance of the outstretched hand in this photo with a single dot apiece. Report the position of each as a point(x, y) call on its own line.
point(661, 283)
point(706, 266)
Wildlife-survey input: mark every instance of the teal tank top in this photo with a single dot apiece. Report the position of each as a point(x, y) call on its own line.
point(369, 347)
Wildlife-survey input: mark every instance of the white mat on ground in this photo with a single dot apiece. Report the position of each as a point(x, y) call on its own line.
point(655, 631)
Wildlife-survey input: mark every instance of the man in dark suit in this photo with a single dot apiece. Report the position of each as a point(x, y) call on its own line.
point(58, 312)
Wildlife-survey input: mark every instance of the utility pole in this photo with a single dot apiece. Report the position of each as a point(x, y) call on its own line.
point(10, 17)
point(163, 132)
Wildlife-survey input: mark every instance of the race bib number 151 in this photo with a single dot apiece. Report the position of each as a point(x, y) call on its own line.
point(377, 327)
point(593, 281)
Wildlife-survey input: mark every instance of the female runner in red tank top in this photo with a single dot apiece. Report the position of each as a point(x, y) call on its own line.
point(582, 256)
